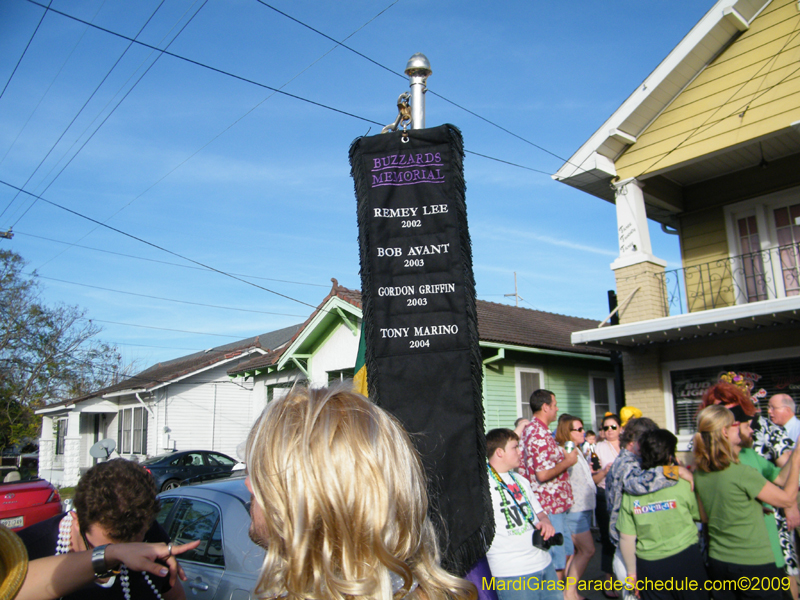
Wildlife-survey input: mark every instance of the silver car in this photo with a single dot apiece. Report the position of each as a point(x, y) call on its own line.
point(226, 563)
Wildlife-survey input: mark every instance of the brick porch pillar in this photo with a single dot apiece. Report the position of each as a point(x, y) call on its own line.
point(641, 296)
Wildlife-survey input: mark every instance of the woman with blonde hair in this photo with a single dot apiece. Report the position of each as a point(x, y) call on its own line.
point(770, 442)
point(729, 494)
point(340, 503)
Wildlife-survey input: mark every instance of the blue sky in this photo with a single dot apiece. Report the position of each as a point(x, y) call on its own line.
point(255, 183)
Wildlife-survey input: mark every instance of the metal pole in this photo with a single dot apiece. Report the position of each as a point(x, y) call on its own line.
point(418, 69)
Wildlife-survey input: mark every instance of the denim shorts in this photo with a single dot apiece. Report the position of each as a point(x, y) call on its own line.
point(534, 586)
point(580, 521)
point(559, 554)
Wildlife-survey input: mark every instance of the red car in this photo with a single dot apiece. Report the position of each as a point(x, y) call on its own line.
point(24, 503)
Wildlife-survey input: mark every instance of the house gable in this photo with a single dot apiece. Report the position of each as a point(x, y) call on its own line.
point(749, 91)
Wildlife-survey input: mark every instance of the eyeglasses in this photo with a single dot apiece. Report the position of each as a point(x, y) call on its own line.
point(578, 429)
point(612, 427)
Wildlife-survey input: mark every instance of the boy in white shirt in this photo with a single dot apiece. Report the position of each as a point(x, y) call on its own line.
point(521, 571)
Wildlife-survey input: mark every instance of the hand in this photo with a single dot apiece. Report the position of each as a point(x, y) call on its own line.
point(792, 517)
point(572, 457)
point(142, 557)
point(546, 527)
point(630, 584)
point(686, 474)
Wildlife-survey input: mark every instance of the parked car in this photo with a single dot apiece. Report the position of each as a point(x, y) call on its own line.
point(24, 502)
point(226, 563)
point(170, 469)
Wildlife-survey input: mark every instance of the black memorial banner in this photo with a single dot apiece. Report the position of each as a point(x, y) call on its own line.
point(423, 358)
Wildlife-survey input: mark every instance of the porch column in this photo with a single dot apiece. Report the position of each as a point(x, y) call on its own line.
point(640, 287)
point(72, 450)
point(47, 448)
point(637, 271)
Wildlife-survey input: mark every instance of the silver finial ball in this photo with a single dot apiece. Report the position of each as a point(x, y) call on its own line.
point(418, 65)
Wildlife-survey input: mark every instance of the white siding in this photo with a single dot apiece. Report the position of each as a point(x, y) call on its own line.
point(337, 352)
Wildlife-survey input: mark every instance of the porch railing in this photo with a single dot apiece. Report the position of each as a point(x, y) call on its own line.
point(752, 277)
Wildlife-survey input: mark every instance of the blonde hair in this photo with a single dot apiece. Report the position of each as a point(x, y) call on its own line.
point(343, 495)
point(712, 450)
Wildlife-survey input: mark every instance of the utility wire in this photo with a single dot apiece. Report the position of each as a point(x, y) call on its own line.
point(474, 114)
point(47, 91)
point(151, 244)
point(205, 66)
point(80, 111)
point(105, 289)
point(162, 262)
point(204, 146)
point(28, 45)
point(295, 96)
point(108, 116)
point(232, 337)
point(707, 124)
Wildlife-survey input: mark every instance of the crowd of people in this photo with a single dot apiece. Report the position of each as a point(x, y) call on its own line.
point(339, 504)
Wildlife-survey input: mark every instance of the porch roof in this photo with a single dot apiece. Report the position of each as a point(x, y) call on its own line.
point(718, 322)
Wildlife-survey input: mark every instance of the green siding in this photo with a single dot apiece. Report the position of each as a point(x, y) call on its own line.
point(500, 399)
point(567, 378)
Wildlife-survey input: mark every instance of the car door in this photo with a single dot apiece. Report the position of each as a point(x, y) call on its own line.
point(188, 519)
point(219, 463)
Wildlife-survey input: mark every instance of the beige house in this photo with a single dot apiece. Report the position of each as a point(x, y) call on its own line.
point(709, 147)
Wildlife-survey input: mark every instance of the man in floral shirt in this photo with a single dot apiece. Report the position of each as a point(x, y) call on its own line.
point(545, 465)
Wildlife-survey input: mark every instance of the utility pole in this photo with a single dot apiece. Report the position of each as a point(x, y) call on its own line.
point(7, 234)
point(515, 294)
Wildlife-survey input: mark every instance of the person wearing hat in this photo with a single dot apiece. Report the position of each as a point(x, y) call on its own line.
point(55, 576)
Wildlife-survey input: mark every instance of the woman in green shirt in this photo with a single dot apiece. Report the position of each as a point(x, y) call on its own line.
point(658, 535)
point(729, 494)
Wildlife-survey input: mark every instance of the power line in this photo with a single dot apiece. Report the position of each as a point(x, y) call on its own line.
point(108, 116)
point(295, 96)
point(163, 262)
point(204, 146)
point(151, 244)
point(205, 66)
point(474, 114)
point(80, 111)
point(233, 337)
point(105, 289)
point(28, 45)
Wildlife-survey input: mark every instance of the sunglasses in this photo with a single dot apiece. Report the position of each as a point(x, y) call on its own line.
point(578, 429)
point(612, 427)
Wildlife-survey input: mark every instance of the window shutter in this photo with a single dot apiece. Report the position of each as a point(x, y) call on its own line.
point(145, 418)
point(119, 431)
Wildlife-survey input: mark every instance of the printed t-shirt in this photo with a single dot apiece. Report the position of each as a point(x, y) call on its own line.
point(735, 519)
point(662, 521)
point(512, 552)
point(748, 456)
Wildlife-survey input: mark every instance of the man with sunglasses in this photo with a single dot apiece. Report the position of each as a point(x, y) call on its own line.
point(115, 502)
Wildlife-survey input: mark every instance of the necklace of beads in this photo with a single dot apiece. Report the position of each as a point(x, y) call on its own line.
point(64, 545)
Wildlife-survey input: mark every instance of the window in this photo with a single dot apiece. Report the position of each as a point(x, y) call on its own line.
point(764, 246)
point(340, 375)
point(787, 229)
point(603, 398)
point(197, 520)
point(219, 460)
point(528, 381)
point(132, 430)
point(61, 433)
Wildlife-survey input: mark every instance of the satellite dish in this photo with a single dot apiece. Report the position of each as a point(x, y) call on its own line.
point(103, 448)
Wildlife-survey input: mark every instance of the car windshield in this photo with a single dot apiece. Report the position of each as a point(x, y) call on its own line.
point(155, 459)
